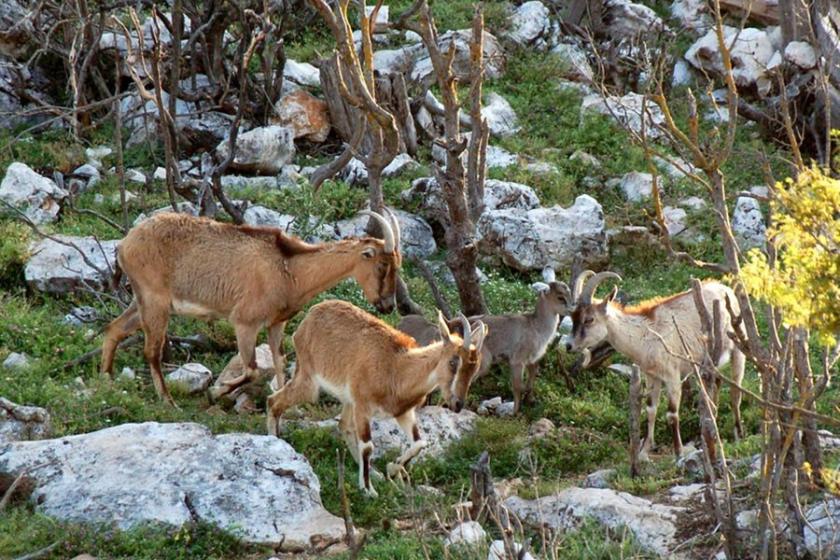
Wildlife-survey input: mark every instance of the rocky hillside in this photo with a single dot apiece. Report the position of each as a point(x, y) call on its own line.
point(101, 467)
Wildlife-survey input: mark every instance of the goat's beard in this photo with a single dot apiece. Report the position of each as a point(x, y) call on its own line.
point(587, 356)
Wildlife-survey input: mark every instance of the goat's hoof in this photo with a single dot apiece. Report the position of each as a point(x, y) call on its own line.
point(397, 473)
point(272, 425)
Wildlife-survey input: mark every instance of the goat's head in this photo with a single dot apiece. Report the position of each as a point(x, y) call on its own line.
point(377, 270)
point(589, 324)
point(555, 295)
point(464, 358)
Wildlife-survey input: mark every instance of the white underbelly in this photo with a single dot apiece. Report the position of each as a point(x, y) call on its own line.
point(192, 309)
point(339, 391)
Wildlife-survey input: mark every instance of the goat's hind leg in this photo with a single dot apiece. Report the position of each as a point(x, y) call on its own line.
point(674, 397)
point(738, 363)
point(302, 388)
point(155, 317)
point(517, 371)
point(654, 390)
point(118, 330)
point(364, 445)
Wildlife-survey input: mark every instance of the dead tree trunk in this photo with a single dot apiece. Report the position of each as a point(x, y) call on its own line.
point(464, 196)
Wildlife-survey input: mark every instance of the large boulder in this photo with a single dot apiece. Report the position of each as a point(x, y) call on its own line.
point(33, 194)
point(498, 195)
point(305, 114)
point(70, 263)
point(576, 62)
point(822, 529)
point(750, 56)
point(628, 111)
point(264, 150)
point(313, 230)
point(301, 73)
point(636, 186)
point(21, 423)
point(19, 84)
point(438, 426)
point(748, 223)
point(556, 236)
point(653, 525)
point(628, 20)
point(500, 116)
point(256, 487)
point(493, 58)
point(529, 25)
point(416, 238)
point(692, 14)
point(15, 29)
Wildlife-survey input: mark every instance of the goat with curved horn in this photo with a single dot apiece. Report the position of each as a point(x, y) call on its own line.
point(395, 226)
point(387, 230)
point(592, 284)
point(579, 282)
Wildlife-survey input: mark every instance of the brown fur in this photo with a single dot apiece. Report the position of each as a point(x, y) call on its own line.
point(372, 369)
point(254, 276)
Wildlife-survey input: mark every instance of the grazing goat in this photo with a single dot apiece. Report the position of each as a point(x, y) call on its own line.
point(519, 339)
point(374, 369)
point(254, 276)
point(649, 335)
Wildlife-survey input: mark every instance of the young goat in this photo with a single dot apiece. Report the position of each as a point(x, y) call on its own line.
point(647, 334)
point(374, 369)
point(254, 276)
point(519, 339)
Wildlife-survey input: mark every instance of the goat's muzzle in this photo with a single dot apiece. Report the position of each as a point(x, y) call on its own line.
point(386, 305)
point(456, 405)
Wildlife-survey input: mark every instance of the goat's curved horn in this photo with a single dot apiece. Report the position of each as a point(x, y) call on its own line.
point(579, 282)
point(466, 326)
point(387, 231)
point(395, 226)
point(592, 285)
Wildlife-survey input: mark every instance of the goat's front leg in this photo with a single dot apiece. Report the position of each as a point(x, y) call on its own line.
point(408, 423)
point(516, 371)
point(674, 391)
point(533, 371)
point(302, 388)
point(275, 341)
point(654, 389)
point(365, 450)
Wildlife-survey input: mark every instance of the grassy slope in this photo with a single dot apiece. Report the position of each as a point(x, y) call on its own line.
point(592, 421)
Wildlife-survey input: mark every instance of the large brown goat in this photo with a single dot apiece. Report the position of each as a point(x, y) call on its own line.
point(374, 369)
point(254, 276)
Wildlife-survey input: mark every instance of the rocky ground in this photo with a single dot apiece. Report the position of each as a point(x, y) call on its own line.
point(110, 471)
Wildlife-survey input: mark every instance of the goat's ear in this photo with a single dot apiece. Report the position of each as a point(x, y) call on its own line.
point(369, 253)
point(540, 287)
point(549, 275)
point(611, 296)
point(444, 328)
point(478, 334)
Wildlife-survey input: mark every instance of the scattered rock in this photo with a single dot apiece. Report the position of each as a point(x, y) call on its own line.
point(691, 461)
point(184, 207)
point(576, 61)
point(417, 239)
point(235, 183)
point(399, 165)
point(257, 487)
point(675, 220)
point(748, 223)
point(627, 20)
point(192, 378)
point(302, 73)
point(235, 368)
point(493, 58)
point(354, 173)
point(89, 173)
point(497, 552)
point(693, 203)
point(628, 111)
point(542, 168)
point(822, 529)
point(586, 159)
point(750, 56)
point(305, 114)
point(652, 524)
point(498, 195)
point(600, 479)
point(495, 407)
point(443, 273)
point(530, 25)
point(58, 268)
point(79, 316)
point(556, 236)
point(36, 196)
point(16, 360)
point(801, 54)
point(501, 118)
point(311, 231)
point(686, 492)
point(22, 423)
point(682, 75)
point(675, 167)
point(127, 373)
point(636, 186)
point(541, 428)
point(264, 150)
point(692, 14)
point(468, 533)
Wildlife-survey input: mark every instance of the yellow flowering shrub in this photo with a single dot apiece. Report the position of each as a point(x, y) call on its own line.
point(805, 283)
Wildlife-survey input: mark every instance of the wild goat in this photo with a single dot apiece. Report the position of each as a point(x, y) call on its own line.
point(254, 276)
point(648, 335)
point(520, 340)
point(374, 369)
